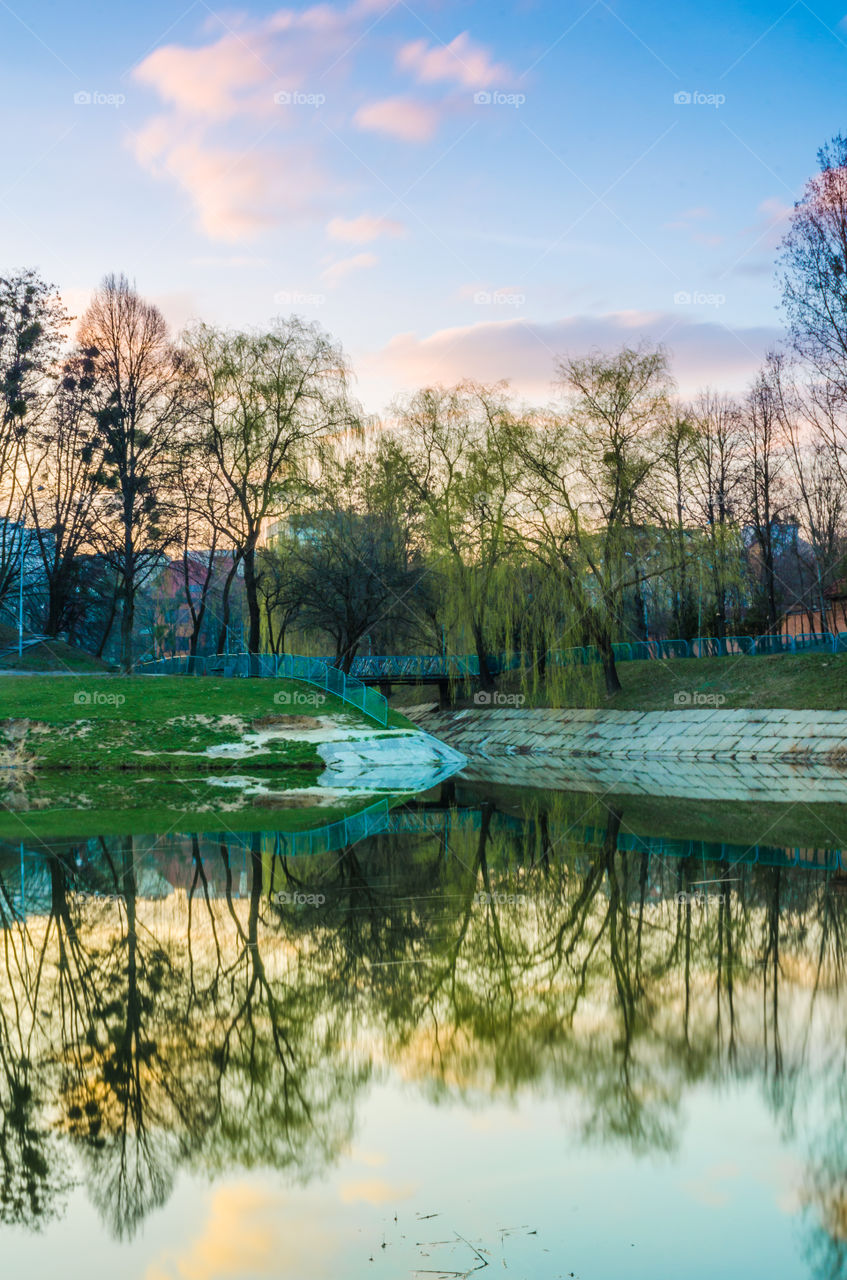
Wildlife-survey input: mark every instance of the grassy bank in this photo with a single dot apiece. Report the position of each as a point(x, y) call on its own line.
point(794, 682)
point(149, 723)
point(48, 656)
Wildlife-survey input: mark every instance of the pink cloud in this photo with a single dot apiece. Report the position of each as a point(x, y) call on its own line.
point(460, 61)
point(335, 273)
point(404, 118)
point(702, 351)
point(363, 229)
point(236, 193)
point(211, 82)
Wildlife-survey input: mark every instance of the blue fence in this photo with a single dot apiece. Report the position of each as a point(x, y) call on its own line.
point(352, 688)
point(707, 647)
point(273, 666)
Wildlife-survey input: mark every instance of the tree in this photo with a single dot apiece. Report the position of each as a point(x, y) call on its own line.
point(764, 486)
point(585, 485)
point(63, 479)
point(201, 505)
point(139, 406)
point(262, 398)
point(453, 451)
point(715, 496)
point(814, 266)
point(281, 588)
point(32, 326)
point(349, 555)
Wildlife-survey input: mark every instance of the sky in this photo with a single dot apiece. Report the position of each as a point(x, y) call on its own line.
point(452, 190)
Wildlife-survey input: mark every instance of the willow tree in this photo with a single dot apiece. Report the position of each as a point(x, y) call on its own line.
point(585, 488)
point(453, 450)
point(262, 398)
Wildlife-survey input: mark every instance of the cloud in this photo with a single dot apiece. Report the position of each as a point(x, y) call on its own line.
point(335, 273)
point(375, 1191)
point(702, 350)
point(251, 1231)
point(460, 61)
point(237, 193)
point(364, 229)
point(772, 222)
point(404, 118)
point(223, 105)
point(214, 82)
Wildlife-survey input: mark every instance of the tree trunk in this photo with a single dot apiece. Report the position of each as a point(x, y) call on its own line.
point(253, 608)
point(109, 624)
point(486, 679)
point(610, 670)
point(230, 578)
point(127, 622)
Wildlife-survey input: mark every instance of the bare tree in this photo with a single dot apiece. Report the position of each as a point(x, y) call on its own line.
point(714, 493)
point(764, 485)
point(63, 479)
point(141, 402)
point(814, 267)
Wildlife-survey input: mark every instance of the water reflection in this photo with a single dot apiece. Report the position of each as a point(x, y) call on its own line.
point(210, 1001)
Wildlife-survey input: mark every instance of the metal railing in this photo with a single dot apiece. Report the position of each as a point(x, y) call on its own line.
point(276, 666)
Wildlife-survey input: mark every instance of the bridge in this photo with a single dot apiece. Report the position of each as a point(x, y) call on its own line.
point(446, 670)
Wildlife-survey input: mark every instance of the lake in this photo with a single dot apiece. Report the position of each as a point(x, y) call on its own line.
point(486, 1029)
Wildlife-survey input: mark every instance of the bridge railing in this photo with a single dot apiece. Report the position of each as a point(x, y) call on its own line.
point(275, 666)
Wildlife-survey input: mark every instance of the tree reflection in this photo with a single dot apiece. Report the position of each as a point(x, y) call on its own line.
point(226, 1003)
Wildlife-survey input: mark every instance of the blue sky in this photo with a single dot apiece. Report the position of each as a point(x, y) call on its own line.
point(460, 189)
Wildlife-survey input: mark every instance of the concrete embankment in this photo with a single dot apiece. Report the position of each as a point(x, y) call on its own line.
point(713, 754)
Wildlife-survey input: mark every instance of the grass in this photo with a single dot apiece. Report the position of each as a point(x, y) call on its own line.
point(144, 722)
point(811, 681)
point(49, 656)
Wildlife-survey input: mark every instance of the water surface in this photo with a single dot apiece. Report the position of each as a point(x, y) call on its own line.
point(550, 1034)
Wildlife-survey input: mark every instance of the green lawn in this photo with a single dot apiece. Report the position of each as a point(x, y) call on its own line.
point(811, 681)
point(84, 722)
